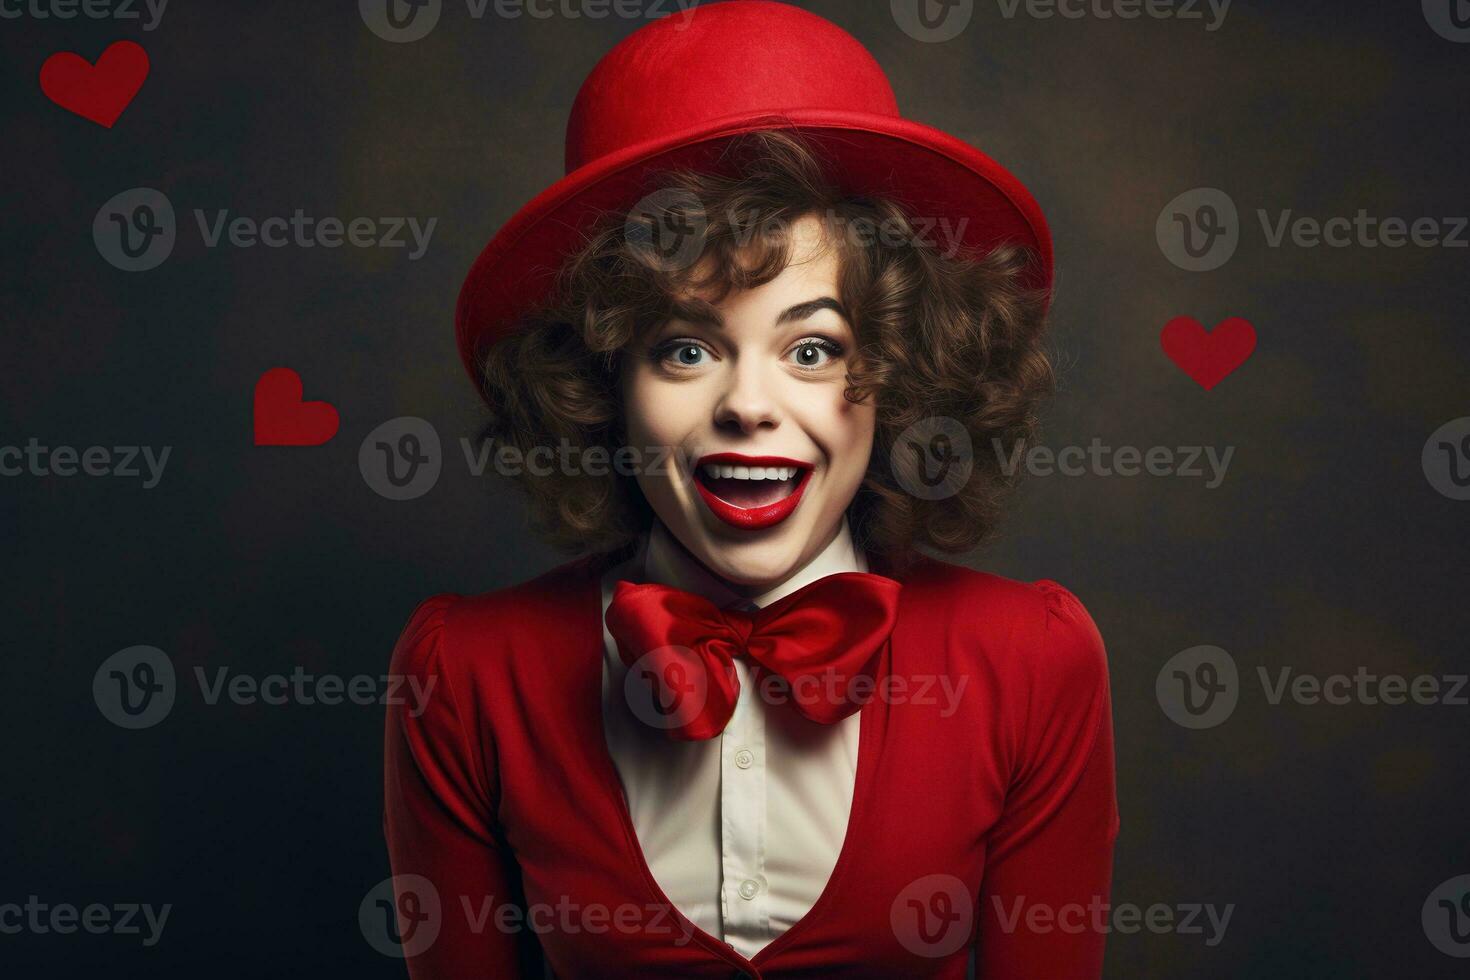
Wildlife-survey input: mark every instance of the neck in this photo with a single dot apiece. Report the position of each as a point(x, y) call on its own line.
point(755, 590)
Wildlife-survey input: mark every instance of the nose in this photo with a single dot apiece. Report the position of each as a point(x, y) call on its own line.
point(746, 404)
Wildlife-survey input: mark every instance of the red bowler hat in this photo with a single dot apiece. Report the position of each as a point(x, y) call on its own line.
point(673, 93)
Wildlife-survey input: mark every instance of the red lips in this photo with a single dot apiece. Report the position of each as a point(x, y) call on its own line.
point(751, 518)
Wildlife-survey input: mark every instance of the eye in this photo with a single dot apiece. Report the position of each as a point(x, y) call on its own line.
point(680, 352)
point(815, 352)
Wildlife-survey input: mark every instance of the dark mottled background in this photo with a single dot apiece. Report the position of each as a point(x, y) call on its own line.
point(1325, 548)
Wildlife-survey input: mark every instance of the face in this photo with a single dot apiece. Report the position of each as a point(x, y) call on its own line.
point(767, 453)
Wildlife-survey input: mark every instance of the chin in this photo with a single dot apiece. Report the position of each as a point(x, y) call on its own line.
point(754, 564)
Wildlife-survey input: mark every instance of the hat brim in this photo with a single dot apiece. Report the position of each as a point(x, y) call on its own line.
point(932, 175)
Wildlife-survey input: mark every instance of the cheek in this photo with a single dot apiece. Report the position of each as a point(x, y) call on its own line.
point(659, 417)
point(642, 409)
point(845, 432)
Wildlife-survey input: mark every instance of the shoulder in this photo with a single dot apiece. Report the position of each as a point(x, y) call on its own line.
point(1038, 662)
point(1038, 629)
point(417, 650)
point(459, 631)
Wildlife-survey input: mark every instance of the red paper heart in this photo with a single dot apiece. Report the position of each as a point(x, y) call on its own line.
point(97, 92)
point(283, 419)
point(1208, 356)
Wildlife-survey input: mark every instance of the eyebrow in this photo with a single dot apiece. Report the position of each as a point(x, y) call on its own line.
point(698, 311)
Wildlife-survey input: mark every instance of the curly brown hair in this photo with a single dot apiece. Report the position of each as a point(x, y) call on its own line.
point(942, 334)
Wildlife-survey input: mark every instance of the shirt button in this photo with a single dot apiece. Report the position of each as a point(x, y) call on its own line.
point(744, 758)
point(748, 888)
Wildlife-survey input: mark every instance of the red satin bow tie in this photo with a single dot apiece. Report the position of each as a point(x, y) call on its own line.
point(681, 648)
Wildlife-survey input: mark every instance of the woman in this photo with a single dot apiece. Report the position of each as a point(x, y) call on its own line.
point(753, 731)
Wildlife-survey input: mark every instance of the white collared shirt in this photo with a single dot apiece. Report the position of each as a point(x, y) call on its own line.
point(741, 831)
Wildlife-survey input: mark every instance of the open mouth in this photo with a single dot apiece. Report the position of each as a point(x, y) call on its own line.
point(751, 491)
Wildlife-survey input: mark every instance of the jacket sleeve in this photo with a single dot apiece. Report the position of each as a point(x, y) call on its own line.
point(452, 868)
point(1044, 904)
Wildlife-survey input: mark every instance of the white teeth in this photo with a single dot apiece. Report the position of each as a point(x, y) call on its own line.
point(719, 471)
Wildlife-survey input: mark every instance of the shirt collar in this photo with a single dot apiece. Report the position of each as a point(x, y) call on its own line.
point(667, 562)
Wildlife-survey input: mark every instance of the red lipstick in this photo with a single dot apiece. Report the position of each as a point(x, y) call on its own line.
point(751, 517)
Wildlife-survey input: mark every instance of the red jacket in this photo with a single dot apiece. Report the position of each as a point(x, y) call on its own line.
point(513, 850)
